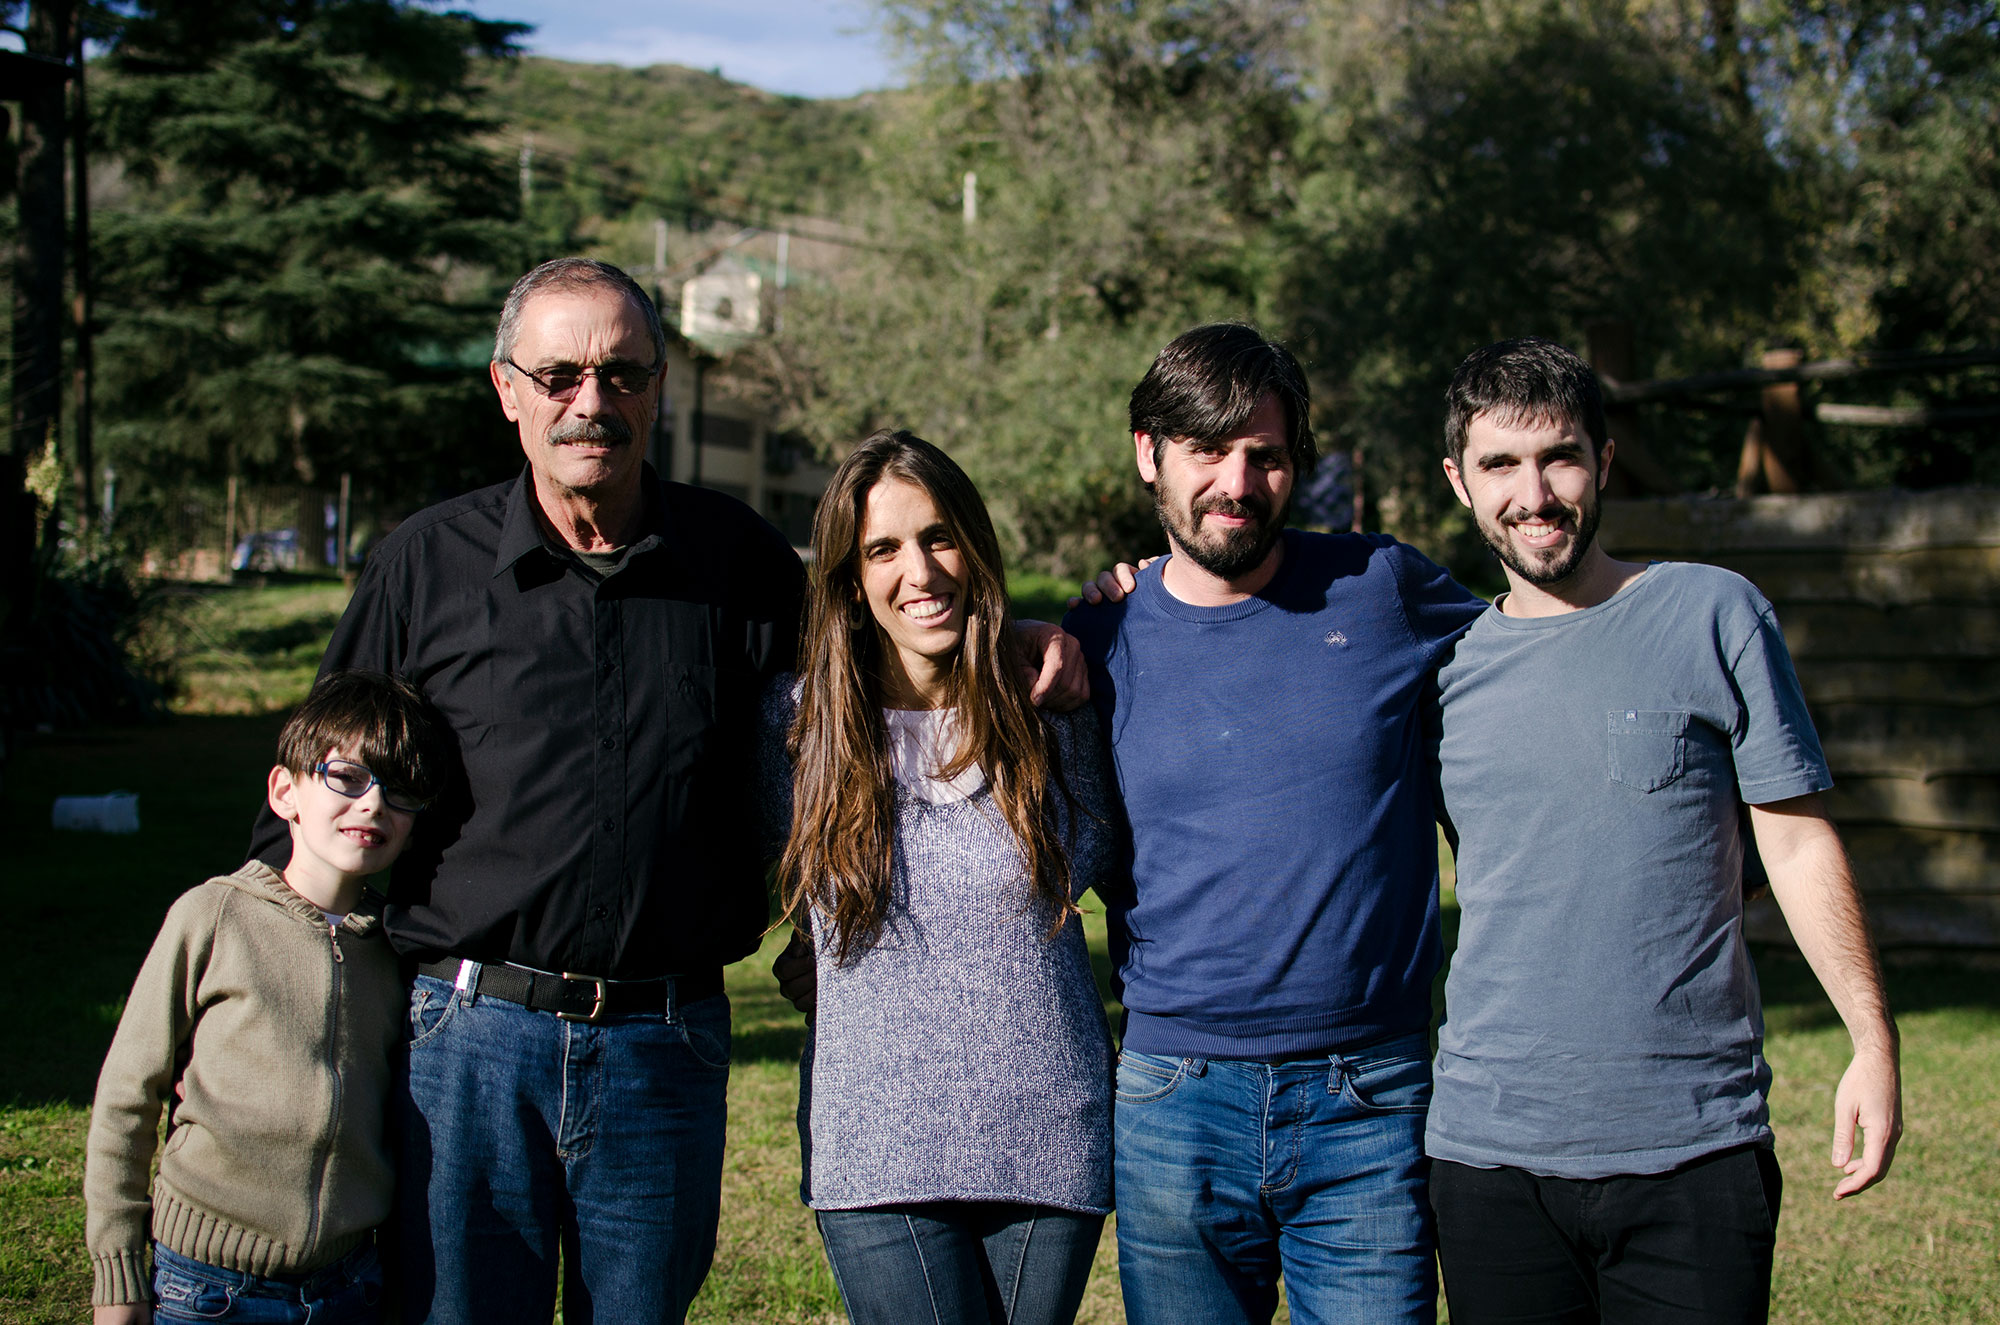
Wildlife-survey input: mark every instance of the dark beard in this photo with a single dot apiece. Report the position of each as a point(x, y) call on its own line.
point(1229, 555)
point(1544, 573)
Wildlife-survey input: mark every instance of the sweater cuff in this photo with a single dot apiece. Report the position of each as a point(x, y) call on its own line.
point(119, 1279)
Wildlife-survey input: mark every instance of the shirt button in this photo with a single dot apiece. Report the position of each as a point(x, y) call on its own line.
point(609, 743)
point(598, 913)
point(610, 825)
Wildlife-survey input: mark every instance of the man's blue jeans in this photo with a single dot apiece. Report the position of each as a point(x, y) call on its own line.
point(521, 1132)
point(1230, 1172)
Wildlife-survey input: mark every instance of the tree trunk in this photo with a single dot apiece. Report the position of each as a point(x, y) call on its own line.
point(38, 251)
point(36, 397)
point(83, 461)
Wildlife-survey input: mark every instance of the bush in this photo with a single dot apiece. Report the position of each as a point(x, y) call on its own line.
point(76, 654)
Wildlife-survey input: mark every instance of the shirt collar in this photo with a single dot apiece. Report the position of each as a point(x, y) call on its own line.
point(521, 533)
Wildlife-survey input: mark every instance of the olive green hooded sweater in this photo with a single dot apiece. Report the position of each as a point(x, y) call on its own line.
point(268, 1034)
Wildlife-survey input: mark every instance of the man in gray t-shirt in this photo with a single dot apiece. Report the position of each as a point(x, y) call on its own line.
point(1600, 1131)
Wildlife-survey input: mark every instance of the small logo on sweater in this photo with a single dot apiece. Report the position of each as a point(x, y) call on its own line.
point(1337, 638)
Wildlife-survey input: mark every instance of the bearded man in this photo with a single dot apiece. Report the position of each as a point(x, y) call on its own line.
point(1601, 1135)
point(1266, 692)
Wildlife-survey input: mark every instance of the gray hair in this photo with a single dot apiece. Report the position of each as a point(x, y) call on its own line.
point(569, 275)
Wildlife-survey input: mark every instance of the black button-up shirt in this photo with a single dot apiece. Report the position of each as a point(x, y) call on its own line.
point(605, 822)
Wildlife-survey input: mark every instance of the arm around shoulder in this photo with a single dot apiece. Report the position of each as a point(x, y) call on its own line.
point(1814, 887)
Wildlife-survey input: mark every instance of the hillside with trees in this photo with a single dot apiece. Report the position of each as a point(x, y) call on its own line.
point(603, 152)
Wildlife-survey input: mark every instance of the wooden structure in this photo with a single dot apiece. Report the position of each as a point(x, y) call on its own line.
point(1890, 602)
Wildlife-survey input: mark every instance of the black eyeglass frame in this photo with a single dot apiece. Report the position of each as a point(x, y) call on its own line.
point(609, 383)
point(396, 798)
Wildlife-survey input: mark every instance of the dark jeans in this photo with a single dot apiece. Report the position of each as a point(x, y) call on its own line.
point(348, 1292)
point(1686, 1246)
point(960, 1262)
point(522, 1132)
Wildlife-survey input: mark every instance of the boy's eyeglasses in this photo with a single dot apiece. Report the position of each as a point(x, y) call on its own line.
point(561, 384)
point(344, 777)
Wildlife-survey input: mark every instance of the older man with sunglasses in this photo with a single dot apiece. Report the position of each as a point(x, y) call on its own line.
point(597, 639)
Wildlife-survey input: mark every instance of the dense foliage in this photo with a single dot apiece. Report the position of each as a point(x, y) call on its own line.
point(1388, 184)
point(293, 264)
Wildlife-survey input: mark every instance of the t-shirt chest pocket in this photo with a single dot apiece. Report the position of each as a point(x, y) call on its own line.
point(1645, 748)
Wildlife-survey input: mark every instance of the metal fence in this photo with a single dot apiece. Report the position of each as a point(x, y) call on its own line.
point(211, 533)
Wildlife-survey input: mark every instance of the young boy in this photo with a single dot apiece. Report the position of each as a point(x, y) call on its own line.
point(263, 1019)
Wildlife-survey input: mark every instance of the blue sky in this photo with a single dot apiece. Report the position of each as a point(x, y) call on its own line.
point(814, 48)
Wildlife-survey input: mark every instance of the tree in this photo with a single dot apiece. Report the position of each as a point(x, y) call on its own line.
point(1122, 160)
point(295, 272)
point(1480, 171)
point(1889, 116)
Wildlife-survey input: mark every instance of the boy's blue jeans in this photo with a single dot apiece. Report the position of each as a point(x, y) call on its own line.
point(1230, 1173)
point(522, 1133)
point(348, 1292)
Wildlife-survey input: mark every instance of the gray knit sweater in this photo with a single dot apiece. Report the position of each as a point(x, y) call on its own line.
point(964, 1055)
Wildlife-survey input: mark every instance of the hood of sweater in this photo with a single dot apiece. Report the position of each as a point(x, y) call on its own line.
point(266, 884)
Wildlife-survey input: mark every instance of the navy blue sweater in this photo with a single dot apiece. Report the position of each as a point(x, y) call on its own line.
point(1276, 760)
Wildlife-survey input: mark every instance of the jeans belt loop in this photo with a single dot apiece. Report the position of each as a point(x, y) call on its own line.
point(467, 984)
point(1195, 1067)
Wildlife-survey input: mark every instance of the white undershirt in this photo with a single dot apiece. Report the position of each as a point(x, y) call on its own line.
point(920, 741)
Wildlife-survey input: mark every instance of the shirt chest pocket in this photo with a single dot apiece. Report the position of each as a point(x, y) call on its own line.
point(1645, 748)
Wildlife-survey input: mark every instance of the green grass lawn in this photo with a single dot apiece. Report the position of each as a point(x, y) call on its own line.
point(1922, 1248)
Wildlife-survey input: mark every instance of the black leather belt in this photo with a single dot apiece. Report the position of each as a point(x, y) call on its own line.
point(575, 997)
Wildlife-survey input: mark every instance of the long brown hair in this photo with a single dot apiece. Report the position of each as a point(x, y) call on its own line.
point(840, 857)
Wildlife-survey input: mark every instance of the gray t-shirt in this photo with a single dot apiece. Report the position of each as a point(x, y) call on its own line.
point(1602, 1014)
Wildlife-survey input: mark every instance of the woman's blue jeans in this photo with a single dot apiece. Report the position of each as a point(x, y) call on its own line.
point(960, 1262)
point(1231, 1173)
point(522, 1133)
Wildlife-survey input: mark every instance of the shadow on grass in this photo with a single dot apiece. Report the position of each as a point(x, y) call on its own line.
point(84, 907)
point(768, 1042)
point(308, 632)
point(1794, 1001)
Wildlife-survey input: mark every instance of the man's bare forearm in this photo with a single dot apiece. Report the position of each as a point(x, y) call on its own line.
point(1814, 887)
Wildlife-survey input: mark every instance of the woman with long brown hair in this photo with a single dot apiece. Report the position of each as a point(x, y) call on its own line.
point(955, 1105)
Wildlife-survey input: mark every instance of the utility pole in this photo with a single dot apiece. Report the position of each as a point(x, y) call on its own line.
point(975, 313)
point(784, 277)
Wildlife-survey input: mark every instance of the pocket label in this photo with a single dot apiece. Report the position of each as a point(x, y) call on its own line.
point(1645, 748)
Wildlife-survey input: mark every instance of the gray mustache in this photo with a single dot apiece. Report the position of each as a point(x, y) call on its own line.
point(611, 430)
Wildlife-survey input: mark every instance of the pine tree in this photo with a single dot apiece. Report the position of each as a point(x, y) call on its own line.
point(298, 266)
